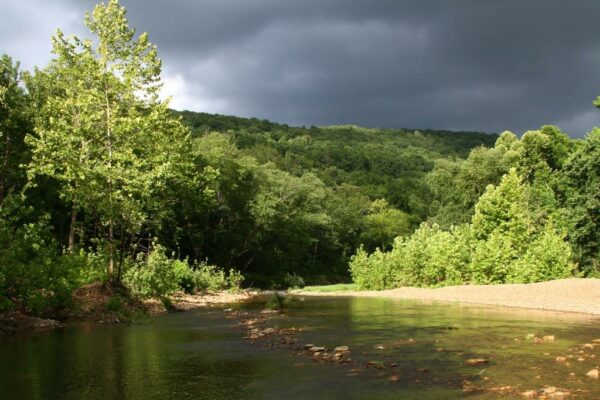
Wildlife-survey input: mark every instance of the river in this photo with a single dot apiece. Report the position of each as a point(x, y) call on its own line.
point(398, 350)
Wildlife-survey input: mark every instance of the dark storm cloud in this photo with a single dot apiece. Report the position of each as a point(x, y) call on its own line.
point(476, 65)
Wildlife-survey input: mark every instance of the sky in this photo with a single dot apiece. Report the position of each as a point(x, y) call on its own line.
point(482, 65)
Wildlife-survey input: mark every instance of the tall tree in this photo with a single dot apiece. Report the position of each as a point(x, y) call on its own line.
point(103, 131)
point(14, 124)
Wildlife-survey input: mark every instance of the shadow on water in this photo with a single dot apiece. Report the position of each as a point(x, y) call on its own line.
point(201, 354)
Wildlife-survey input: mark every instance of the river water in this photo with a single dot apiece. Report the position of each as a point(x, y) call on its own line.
point(398, 349)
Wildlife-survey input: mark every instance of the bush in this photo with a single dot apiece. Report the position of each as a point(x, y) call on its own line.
point(375, 271)
point(115, 304)
point(547, 257)
point(154, 275)
point(209, 278)
point(234, 280)
point(293, 281)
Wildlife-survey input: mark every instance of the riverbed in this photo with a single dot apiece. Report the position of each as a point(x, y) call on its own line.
point(398, 349)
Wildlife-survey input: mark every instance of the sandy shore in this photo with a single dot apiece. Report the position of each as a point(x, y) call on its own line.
point(573, 295)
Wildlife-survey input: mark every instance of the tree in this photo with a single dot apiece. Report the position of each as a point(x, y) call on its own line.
point(14, 125)
point(384, 223)
point(582, 194)
point(103, 133)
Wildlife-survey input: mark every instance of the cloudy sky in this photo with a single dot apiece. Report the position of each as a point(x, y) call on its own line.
point(481, 65)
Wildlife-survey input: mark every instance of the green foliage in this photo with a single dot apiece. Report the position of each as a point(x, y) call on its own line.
point(275, 302)
point(503, 244)
point(235, 280)
point(383, 224)
point(167, 303)
point(209, 278)
point(581, 191)
point(155, 275)
point(108, 168)
point(15, 123)
point(340, 287)
point(101, 130)
point(115, 304)
point(293, 281)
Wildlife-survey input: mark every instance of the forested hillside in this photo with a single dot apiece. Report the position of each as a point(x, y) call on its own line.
point(101, 181)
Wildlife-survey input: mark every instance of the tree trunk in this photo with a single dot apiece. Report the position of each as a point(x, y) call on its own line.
point(111, 250)
point(71, 245)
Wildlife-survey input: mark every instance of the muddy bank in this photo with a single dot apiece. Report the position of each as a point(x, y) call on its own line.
point(101, 304)
point(575, 295)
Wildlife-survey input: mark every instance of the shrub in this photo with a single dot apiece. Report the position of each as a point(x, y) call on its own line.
point(154, 275)
point(209, 278)
point(115, 304)
point(293, 281)
point(234, 280)
point(547, 257)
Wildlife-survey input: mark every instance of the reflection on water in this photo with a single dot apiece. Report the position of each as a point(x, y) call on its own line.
point(201, 355)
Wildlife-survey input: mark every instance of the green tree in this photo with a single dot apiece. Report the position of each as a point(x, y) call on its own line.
point(383, 224)
point(14, 125)
point(103, 132)
point(582, 200)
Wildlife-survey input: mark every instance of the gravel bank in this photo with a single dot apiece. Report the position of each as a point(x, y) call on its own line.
point(573, 295)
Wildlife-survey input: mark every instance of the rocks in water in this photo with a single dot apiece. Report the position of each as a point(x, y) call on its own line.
point(476, 361)
point(549, 392)
point(529, 393)
point(593, 373)
point(316, 349)
point(394, 378)
point(548, 339)
point(341, 349)
point(588, 346)
point(379, 347)
point(561, 359)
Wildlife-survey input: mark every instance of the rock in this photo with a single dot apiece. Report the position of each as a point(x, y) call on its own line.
point(380, 347)
point(308, 346)
point(561, 359)
point(476, 361)
point(341, 349)
point(316, 349)
point(394, 378)
point(548, 339)
point(588, 346)
point(529, 393)
point(593, 373)
point(596, 341)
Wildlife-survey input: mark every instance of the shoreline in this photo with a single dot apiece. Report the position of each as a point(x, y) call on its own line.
point(92, 308)
point(580, 296)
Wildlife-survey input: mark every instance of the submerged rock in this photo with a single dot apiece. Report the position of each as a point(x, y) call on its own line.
point(593, 373)
point(476, 361)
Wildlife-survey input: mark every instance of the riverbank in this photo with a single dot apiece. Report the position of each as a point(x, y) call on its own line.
point(98, 303)
point(575, 295)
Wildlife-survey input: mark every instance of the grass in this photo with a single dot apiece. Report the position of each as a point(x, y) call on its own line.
point(340, 287)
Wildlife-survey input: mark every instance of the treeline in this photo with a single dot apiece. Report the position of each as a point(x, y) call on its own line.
point(100, 181)
point(525, 210)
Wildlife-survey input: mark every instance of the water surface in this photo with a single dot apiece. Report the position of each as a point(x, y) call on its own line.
point(201, 354)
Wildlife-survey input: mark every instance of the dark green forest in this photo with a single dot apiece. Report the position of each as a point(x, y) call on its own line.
point(101, 181)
